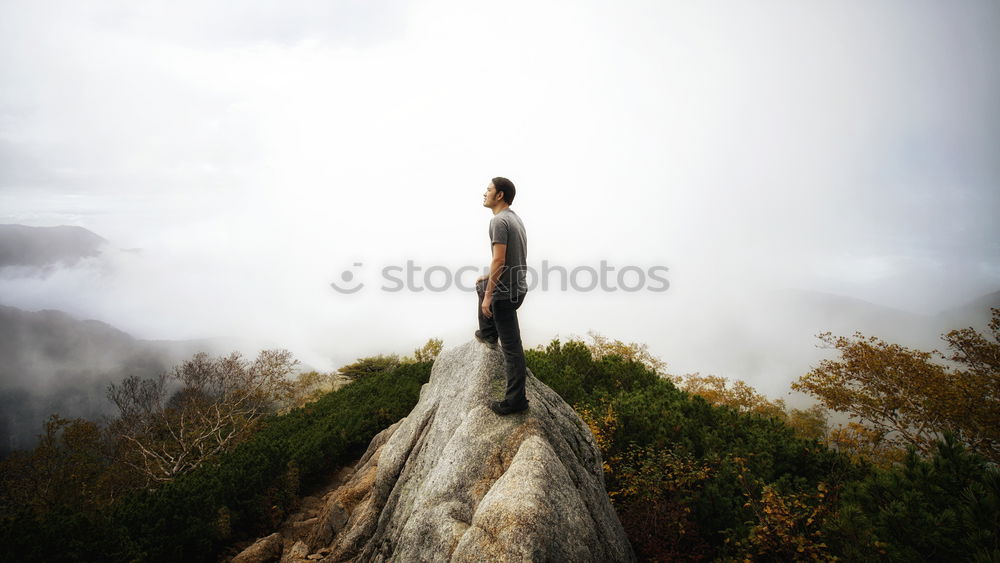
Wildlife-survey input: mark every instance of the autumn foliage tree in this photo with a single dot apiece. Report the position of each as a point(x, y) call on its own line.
point(787, 525)
point(309, 387)
point(428, 352)
point(809, 423)
point(602, 346)
point(737, 394)
point(172, 424)
point(861, 444)
point(903, 398)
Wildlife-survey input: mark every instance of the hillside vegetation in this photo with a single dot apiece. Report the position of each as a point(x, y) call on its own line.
point(698, 468)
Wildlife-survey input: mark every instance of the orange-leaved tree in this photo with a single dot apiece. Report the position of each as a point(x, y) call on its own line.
point(905, 398)
point(809, 423)
point(602, 346)
point(718, 390)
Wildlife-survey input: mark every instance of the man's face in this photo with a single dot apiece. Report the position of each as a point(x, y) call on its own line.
point(491, 197)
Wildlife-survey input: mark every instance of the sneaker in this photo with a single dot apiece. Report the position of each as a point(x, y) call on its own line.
point(492, 343)
point(503, 408)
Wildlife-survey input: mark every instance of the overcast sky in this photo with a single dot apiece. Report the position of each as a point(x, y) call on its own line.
point(255, 151)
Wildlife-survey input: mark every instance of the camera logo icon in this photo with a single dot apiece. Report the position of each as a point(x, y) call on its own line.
point(347, 276)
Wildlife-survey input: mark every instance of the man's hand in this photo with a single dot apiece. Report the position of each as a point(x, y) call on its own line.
point(487, 301)
point(496, 266)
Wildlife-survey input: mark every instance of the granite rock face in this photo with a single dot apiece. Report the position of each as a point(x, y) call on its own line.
point(453, 481)
point(264, 550)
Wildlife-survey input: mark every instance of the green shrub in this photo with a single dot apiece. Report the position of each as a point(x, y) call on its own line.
point(945, 508)
point(651, 415)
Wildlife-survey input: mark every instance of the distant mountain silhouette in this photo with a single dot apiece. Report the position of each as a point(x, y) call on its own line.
point(975, 313)
point(818, 311)
point(21, 245)
point(52, 362)
point(813, 312)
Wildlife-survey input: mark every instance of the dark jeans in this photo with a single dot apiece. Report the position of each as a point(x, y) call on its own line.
point(503, 324)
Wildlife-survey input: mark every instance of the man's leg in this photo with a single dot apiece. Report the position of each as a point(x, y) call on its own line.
point(487, 326)
point(505, 314)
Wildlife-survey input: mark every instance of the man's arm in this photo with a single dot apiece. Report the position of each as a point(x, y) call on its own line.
point(499, 259)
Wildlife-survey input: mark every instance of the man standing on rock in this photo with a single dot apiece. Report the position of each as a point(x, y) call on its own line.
point(502, 292)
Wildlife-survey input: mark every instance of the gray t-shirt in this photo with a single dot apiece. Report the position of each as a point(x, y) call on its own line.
point(506, 228)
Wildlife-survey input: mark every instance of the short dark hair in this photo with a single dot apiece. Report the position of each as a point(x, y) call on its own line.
point(507, 187)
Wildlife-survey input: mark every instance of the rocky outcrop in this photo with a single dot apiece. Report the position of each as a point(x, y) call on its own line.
point(453, 481)
point(265, 550)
